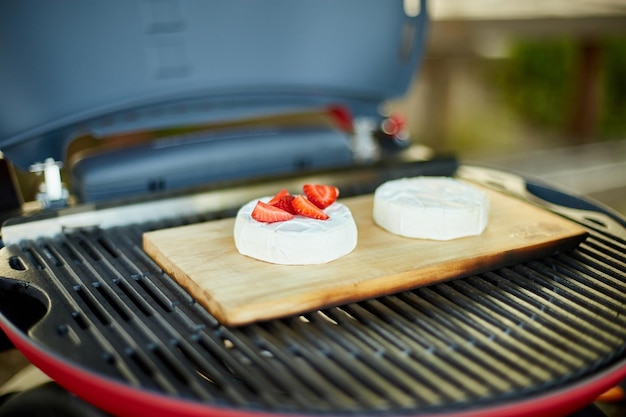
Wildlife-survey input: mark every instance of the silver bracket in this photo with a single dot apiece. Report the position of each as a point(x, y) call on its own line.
point(364, 146)
point(52, 192)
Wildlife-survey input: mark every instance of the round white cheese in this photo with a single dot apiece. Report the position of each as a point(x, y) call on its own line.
point(299, 241)
point(438, 208)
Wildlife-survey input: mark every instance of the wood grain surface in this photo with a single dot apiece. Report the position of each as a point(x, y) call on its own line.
point(238, 290)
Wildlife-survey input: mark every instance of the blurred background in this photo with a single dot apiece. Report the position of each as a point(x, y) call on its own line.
point(537, 87)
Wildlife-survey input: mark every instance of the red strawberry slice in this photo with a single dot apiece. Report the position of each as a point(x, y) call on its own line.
point(306, 208)
point(282, 193)
point(321, 195)
point(285, 203)
point(266, 213)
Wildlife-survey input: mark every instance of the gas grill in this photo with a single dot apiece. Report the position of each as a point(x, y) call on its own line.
point(94, 311)
point(84, 303)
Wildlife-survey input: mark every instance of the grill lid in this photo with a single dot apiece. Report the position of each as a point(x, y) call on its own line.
point(170, 63)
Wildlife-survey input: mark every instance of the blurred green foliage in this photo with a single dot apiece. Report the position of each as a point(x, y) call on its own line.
point(536, 80)
point(539, 81)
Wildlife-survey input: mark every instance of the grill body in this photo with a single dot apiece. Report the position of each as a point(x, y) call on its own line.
point(102, 312)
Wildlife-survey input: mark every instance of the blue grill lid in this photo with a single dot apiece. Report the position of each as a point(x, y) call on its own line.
point(76, 67)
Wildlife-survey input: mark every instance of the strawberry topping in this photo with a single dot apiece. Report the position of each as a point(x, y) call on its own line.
point(284, 206)
point(267, 213)
point(321, 195)
point(285, 203)
point(306, 208)
point(282, 193)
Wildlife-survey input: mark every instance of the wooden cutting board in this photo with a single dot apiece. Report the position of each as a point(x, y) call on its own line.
point(238, 290)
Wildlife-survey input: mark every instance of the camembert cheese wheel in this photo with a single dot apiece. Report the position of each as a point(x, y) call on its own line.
point(438, 208)
point(299, 241)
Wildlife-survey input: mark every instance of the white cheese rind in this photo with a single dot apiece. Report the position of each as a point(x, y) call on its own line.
point(438, 208)
point(299, 241)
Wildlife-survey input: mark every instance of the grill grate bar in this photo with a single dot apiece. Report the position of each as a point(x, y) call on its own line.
point(68, 291)
point(299, 365)
point(485, 358)
point(553, 323)
point(588, 282)
point(394, 357)
point(497, 335)
point(445, 375)
point(339, 368)
point(143, 341)
point(599, 249)
point(509, 329)
point(435, 325)
point(379, 375)
point(560, 298)
point(606, 274)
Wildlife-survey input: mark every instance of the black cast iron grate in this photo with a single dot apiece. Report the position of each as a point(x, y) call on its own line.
point(510, 333)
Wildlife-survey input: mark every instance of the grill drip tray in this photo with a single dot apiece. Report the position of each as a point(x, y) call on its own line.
point(478, 341)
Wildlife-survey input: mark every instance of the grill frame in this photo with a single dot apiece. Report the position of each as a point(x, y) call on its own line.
point(388, 353)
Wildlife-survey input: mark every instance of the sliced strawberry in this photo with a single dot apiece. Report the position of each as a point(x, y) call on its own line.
point(306, 208)
point(266, 213)
point(285, 203)
point(321, 195)
point(282, 193)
